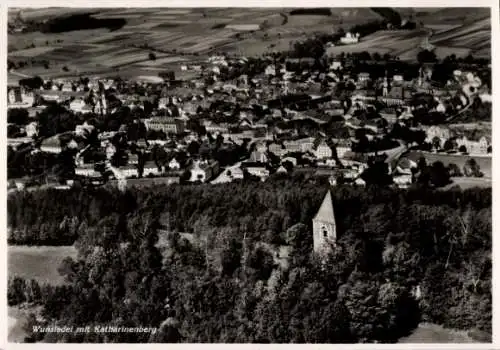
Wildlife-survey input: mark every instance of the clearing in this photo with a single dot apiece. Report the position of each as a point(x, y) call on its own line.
point(433, 333)
point(38, 262)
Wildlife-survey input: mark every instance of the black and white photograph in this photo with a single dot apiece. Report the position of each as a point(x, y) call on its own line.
point(262, 175)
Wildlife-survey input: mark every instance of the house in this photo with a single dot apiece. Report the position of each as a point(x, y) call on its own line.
point(336, 65)
point(474, 147)
point(110, 150)
point(277, 149)
point(31, 129)
point(235, 173)
point(204, 171)
point(213, 128)
point(350, 39)
point(256, 169)
point(281, 170)
point(133, 159)
point(363, 77)
point(360, 182)
point(150, 168)
point(397, 78)
point(323, 151)
point(174, 164)
point(402, 180)
point(324, 226)
point(51, 145)
point(441, 132)
point(21, 183)
point(129, 171)
point(259, 157)
point(77, 105)
point(87, 170)
point(84, 129)
point(343, 146)
point(19, 98)
point(326, 163)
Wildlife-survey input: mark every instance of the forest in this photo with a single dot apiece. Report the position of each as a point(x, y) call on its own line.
point(227, 285)
point(74, 22)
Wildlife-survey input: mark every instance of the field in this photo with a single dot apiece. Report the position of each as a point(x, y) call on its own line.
point(197, 33)
point(39, 263)
point(469, 182)
point(431, 333)
point(474, 37)
point(397, 43)
point(483, 162)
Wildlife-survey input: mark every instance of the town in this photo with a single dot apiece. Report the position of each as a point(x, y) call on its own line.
point(243, 117)
point(262, 175)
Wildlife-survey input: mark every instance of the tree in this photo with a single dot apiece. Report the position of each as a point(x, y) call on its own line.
point(439, 175)
point(426, 56)
point(454, 170)
point(471, 168)
point(18, 116)
point(448, 145)
point(193, 148)
point(436, 143)
point(462, 149)
point(377, 172)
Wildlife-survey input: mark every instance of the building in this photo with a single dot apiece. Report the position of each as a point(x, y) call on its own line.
point(128, 171)
point(51, 145)
point(18, 98)
point(259, 157)
point(31, 129)
point(79, 106)
point(87, 170)
point(204, 171)
point(277, 149)
point(256, 169)
point(84, 129)
point(343, 146)
point(442, 133)
point(402, 180)
point(174, 164)
point(474, 147)
point(350, 39)
point(213, 128)
point(168, 125)
point(323, 151)
point(324, 226)
point(151, 169)
point(363, 77)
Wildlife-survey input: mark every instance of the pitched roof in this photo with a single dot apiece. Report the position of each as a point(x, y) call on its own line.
point(325, 212)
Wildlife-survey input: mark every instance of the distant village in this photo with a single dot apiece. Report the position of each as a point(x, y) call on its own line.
point(242, 119)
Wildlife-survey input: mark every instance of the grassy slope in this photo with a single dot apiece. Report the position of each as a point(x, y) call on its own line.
point(431, 333)
point(39, 263)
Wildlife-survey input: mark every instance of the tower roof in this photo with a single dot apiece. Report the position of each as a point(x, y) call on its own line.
point(325, 212)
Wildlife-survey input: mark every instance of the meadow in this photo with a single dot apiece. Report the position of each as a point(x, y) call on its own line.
point(460, 160)
point(432, 333)
point(38, 262)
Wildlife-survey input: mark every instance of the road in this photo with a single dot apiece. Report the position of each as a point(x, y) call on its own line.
point(13, 72)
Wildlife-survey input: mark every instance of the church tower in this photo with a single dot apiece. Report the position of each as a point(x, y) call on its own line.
point(324, 227)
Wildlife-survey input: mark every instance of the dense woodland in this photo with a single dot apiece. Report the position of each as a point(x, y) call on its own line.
point(233, 290)
point(73, 22)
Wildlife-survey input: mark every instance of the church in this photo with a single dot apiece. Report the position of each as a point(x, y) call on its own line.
point(324, 227)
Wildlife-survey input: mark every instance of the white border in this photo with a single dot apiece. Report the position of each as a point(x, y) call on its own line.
point(493, 4)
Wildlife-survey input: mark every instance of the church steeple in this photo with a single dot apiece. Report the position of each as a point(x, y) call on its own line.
point(324, 226)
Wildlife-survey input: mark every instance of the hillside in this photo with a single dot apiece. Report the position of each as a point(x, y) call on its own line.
point(182, 35)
